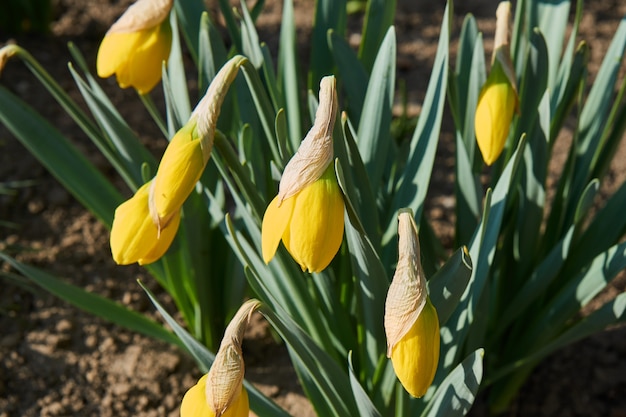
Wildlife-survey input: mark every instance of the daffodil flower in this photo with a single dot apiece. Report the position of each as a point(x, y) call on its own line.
point(145, 226)
point(221, 391)
point(135, 47)
point(411, 321)
point(134, 236)
point(189, 150)
point(497, 101)
point(308, 212)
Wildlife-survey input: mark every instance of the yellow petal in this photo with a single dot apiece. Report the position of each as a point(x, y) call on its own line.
point(416, 356)
point(134, 236)
point(240, 406)
point(179, 171)
point(275, 222)
point(194, 402)
point(135, 57)
point(195, 405)
point(494, 112)
point(163, 242)
point(315, 231)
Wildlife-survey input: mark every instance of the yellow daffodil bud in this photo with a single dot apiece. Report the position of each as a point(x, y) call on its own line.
point(307, 214)
point(136, 45)
point(134, 236)
point(189, 150)
point(498, 97)
point(411, 322)
point(221, 391)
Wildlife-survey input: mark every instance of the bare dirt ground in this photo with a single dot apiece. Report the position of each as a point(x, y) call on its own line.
point(58, 361)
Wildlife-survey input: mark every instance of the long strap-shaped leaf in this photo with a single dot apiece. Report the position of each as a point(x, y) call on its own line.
point(373, 135)
point(326, 378)
point(468, 317)
point(379, 17)
point(60, 157)
point(93, 303)
point(456, 394)
point(329, 15)
point(416, 176)
point(594, 116)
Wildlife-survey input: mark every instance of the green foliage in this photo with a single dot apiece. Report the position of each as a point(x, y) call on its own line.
point(507, 295)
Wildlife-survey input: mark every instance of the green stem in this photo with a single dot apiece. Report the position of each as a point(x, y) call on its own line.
point(154, 112)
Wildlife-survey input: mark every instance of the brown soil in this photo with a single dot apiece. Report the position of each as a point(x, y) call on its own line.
point(58, 361)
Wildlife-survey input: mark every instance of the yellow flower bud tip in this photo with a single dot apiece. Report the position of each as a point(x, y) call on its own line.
point(136, 45)
point(134, 236)
point(497, 103)
point(411, 323)
point(309, 223)
point(195, 404)
point(308, 212)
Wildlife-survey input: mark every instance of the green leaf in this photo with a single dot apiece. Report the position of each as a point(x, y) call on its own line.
point(373, 133)
point(250, 39)
point(93, 303)
point(329, 14)
point(325, 378)
point(468, 318)
point(231, 24)
point(595, 114)
point(613, 312)
point(536, 285)
point(533, 86)
point(372, 285)
point(586, 200)
point(379, 16)
point(416, 176)
point(71, 107)
point(177, 87)
point(363, 402)
point(280, 284)
point(470, 41)
point(265, 111)
point(570, 74)
point(531, 199)
point(212, 53)
point(188, 13)
point(551, 18)
point(581, 289)
point(355, 182)
point(447, 286)
point(60, 157)
point(131, 154)
point(607, 227)
point(456, 394)
point(468, 194)
point(354, 79)
point(288, 70)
